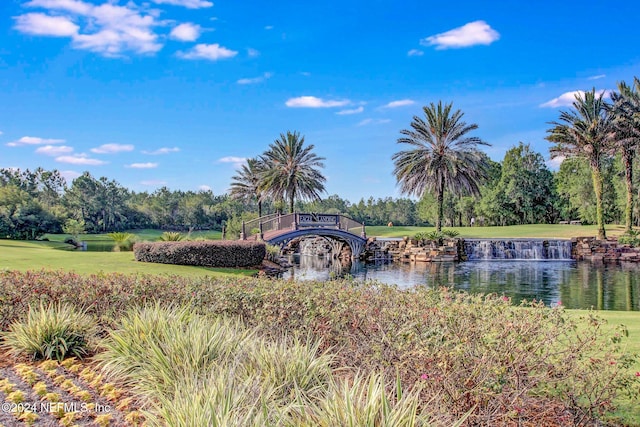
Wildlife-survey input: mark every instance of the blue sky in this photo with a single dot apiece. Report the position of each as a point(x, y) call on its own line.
point(178, 92)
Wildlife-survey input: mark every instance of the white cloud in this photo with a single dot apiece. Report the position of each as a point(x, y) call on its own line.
point(415, 52)
point(163, 150)
point(186, 32)
point(70, 175)
point(555, 162)
point(568, 98)
point(254, 80)
point(237, 162)
point(40, 24)
point(599, 76)
point(232, 159)
point(153, 182)
point(360, 109)
point(372, 122)
point(80, 159)
point(74, 6)
point(34, 140)
point(54, 150)
point(268, 27)
point(399, 103)
point(189, 4)
point(147, 165)
point(471, 34)
point(112, 148)
point(204, 188)
point(313, 102)
point(108, 29)
point(211, 52)
point(253, 53)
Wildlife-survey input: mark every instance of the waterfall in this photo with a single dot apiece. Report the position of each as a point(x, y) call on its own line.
point(517, 249)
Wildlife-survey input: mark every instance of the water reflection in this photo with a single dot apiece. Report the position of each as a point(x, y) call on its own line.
point(575, 285)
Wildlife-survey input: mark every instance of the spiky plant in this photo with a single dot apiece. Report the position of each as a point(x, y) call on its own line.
point(170, 236)
point(155, 347)
point(123, 241)
point(55, 331)
point(363, 401)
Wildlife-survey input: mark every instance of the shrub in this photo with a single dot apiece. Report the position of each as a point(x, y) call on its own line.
point(365, 401)
point(290, 366)
point(273, 253)
point(51, 332)
point(207, 254)
point(154, 348)
point(450, 233)
point(170, 236)
point(421, 236)
point(507, 365)
point(630, 238)
point(123, 241)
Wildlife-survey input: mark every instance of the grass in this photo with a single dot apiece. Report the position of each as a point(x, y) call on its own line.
point(29, 255)
point(141, 235)
point(627, 412)
point(512, 231)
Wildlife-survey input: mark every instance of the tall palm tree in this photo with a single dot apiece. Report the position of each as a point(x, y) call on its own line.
point(626, 119)
point(291, 170)
point(246, 183)
point(585, 131)
point(442, 156)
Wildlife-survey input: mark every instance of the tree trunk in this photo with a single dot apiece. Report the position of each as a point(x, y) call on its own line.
point(628, 174)
point(596, 174)
point(259, 208)
point(440, 199)
point(291, 198)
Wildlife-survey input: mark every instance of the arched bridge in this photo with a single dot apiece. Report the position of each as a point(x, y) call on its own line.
point(279, 230)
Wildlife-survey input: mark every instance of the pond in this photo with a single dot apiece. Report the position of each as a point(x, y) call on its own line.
point(574, 284)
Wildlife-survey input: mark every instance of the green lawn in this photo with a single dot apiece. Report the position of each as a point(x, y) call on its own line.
point(141, 235)
point(631, 319)
point(513, 231)
point(627, 413)
point(21, 255)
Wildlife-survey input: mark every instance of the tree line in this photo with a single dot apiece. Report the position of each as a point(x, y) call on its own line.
point(452, 179)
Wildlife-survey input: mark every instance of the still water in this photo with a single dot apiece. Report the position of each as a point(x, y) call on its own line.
point(573, 284)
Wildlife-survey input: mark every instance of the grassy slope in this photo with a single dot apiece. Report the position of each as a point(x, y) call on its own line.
point(512, 231)
point(21, 255)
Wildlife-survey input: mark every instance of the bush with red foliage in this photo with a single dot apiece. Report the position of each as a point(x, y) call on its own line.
point(226, 253)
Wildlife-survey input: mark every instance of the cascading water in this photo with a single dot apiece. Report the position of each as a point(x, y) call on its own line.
point(514, 249)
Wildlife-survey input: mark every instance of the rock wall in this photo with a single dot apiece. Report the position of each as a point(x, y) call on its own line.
point(605, 251)
point(409, 250)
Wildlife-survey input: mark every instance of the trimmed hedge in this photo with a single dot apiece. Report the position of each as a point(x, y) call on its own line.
point(205, 254)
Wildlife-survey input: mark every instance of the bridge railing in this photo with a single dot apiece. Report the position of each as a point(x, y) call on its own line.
point(350, 225)
point(276, 222)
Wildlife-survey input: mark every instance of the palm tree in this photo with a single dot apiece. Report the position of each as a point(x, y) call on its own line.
point(246, 183)
point(626, 119)
point(291, 170)
point(442, 156)
point(586, 131)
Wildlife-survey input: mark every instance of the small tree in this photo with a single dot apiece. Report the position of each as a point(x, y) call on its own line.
point(74, 227)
